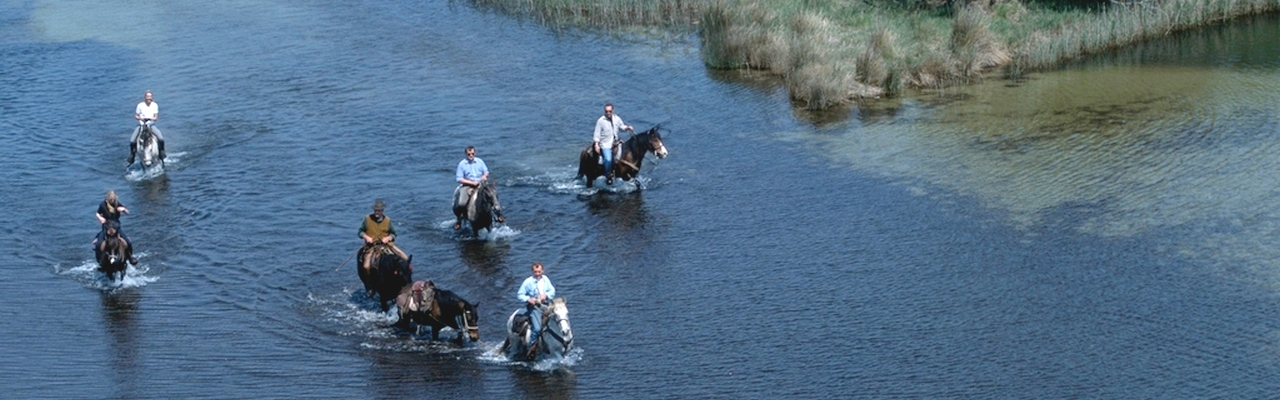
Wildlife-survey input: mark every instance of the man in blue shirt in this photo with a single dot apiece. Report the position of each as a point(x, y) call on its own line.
point(535, 292)
point(471, 172)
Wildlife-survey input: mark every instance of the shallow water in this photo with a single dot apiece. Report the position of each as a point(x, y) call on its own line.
point(1102, 231)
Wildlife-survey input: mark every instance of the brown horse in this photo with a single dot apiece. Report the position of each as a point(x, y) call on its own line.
point(112, 254)
point(423, 304)
point(626, 161)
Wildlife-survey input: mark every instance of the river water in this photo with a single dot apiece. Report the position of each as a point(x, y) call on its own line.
point(1103, 231)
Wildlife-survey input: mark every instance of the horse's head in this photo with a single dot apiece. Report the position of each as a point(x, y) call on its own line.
point(487, 199)
point(560, 317)
point(470, 320)
point(654, 139)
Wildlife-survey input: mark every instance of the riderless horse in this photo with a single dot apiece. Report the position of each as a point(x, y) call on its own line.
point(482, 210)
point(555, 341)
point(627, 158)
point(112, 253)
point(386, 275)
point(422, 303)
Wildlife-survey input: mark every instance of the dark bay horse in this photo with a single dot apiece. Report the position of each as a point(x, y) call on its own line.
point(626, 163)
point(483, 212)
point(423, 304)
point(112, 254)
point(386, 276)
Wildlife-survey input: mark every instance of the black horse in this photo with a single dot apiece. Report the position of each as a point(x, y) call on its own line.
point(423, 304)
point(626, 162)
point(386, 276)
point(485, 210)
point(112, 253)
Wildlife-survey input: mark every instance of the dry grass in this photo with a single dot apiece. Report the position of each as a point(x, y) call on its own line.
point(830, 52)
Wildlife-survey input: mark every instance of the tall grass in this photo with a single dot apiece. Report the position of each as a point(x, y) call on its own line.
point(605, 14)
point(1120, 26)
point(830, 52)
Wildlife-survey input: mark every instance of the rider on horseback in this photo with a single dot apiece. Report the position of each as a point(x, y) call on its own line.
point(535, 292)
point(606, 137)
point(147, 112)
point(470, 174)
point(109, 212)
point(376, 230)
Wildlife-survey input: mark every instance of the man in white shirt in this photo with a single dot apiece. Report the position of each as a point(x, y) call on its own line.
point(606, 134)
point(147, 112)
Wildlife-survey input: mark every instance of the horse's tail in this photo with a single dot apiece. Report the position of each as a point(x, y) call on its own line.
point(583, 159)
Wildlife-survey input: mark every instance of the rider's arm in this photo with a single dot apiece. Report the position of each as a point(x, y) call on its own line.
point(364, 227)
point(391, 230)
point(101, 219)
point(599, 132)
point(624, 125)
point(461, 177)
point(551, 290)
point(523, 293)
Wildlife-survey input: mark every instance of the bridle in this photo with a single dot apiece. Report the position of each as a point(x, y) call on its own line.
point(466, 322)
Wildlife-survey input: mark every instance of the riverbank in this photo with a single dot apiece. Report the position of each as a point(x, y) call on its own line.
point(831, 52)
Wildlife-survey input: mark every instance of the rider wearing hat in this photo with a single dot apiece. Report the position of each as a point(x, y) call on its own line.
point(376, 229)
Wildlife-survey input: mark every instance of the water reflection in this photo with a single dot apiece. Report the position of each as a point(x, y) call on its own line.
point(622, 210)
point(154, 189)
point(556, 384)
point(1178, 135)
point(421, 371)
point(485, 257)
point(119, 312)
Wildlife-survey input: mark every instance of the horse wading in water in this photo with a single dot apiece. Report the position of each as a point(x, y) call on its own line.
point(149, 148)
point(112, 253)
point(481, 210)
point(556, 339)
point(386, 275)
point(627, 158)
point(423, 304)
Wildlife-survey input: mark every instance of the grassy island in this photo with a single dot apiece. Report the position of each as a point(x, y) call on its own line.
point(831, 52)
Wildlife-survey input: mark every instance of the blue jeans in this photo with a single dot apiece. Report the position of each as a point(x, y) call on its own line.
point(607, 154)
point(535, 323)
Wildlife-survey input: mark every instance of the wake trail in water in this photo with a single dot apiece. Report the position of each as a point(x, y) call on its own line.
point(87, 272)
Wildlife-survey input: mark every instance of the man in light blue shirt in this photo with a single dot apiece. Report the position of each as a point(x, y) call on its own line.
point(535, 292)
point(471, 172)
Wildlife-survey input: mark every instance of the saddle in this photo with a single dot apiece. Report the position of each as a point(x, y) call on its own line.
point(424, 296)
point(617, 150)
point(520, 323)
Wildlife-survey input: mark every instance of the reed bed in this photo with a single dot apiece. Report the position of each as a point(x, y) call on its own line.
point(831, 52)
point(678, 15)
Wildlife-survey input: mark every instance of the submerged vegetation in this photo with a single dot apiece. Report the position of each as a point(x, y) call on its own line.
point(830, 52)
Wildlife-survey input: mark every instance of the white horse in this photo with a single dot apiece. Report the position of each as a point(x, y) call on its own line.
point(149, 148)
point(556, 339)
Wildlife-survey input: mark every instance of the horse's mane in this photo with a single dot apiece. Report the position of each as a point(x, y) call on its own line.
point(447, 297)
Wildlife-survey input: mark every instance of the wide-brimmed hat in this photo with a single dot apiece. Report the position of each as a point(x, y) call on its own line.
point(378, 205)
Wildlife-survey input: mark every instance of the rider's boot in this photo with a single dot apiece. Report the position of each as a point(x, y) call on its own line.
point(133, 150)
point(161, 143)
